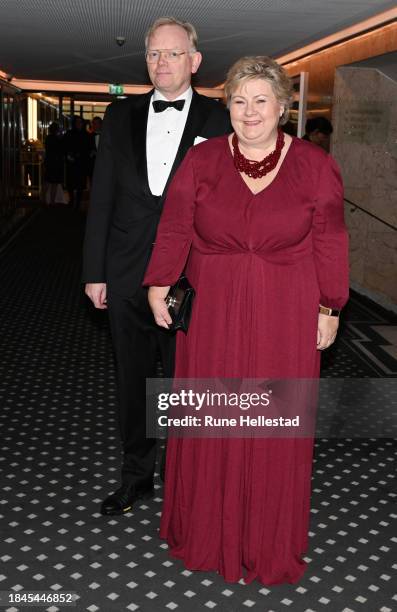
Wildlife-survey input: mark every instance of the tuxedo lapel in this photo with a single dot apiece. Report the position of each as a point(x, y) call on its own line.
point(139, 118)
point(196, 119)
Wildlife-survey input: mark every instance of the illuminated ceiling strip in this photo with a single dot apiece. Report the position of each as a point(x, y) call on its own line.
point(293, 68)
point(358, 28)
point(73, 86)
point(79, 102)
point(338, 37)
point(100, 88)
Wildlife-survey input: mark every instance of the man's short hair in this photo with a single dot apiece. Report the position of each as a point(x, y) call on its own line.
point(188, 27)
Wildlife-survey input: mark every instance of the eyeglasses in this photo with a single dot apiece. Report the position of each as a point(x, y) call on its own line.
point(153, 56)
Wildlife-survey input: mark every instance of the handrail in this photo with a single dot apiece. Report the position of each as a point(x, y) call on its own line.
point(370, 214)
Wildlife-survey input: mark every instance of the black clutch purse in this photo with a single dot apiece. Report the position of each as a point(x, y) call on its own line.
point(179, 302)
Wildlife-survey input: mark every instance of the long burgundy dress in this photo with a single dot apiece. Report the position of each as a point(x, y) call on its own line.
point(260, 264)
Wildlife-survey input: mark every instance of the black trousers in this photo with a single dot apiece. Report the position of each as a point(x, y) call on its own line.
point(138, 343)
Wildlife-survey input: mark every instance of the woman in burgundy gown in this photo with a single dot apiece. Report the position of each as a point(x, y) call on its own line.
point(263, 252)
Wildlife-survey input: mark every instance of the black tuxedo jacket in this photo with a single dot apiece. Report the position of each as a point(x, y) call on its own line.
point(123, 214)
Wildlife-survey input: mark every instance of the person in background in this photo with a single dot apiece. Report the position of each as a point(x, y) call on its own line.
point(76, 145)
point(144, 138)
point(257, 219)
point(318, 130)
point(95, 136)
point(53, 164)
point(289, 128)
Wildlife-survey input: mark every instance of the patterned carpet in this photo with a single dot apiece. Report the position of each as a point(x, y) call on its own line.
point(60, 456)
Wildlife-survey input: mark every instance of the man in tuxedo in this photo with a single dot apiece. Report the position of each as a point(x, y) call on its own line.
point(143, 140)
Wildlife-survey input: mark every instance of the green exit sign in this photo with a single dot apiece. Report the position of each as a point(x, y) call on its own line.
point(116, 90)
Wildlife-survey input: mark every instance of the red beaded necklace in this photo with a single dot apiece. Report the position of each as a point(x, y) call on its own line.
point(257, 169)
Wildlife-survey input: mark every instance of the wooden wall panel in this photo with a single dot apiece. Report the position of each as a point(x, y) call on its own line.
point(321, 65)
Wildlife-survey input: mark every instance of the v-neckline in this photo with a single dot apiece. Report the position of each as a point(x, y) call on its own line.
point(254, 194)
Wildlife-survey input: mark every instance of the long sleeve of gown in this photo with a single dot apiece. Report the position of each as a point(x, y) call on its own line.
point(330, 238)
point(175, 230)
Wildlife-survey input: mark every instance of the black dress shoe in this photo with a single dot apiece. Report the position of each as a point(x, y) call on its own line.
point(122, 500)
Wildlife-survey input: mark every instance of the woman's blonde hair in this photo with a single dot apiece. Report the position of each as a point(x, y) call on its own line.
point(261, 67)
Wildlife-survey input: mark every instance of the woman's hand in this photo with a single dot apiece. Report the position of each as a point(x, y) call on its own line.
point(326, 331)
point(156, 297)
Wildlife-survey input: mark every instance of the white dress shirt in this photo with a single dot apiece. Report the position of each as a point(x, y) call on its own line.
point(163, 136)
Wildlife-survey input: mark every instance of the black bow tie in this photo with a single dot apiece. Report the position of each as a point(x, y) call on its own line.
point(160, 105)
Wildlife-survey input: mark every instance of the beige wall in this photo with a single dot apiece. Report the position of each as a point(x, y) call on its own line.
point(365, 146)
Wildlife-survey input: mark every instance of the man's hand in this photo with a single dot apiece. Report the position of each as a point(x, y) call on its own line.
point(326, 331)
point(97, 294)
point(156, 297)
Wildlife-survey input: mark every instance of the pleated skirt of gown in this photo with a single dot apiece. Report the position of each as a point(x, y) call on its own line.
point(241, 506)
